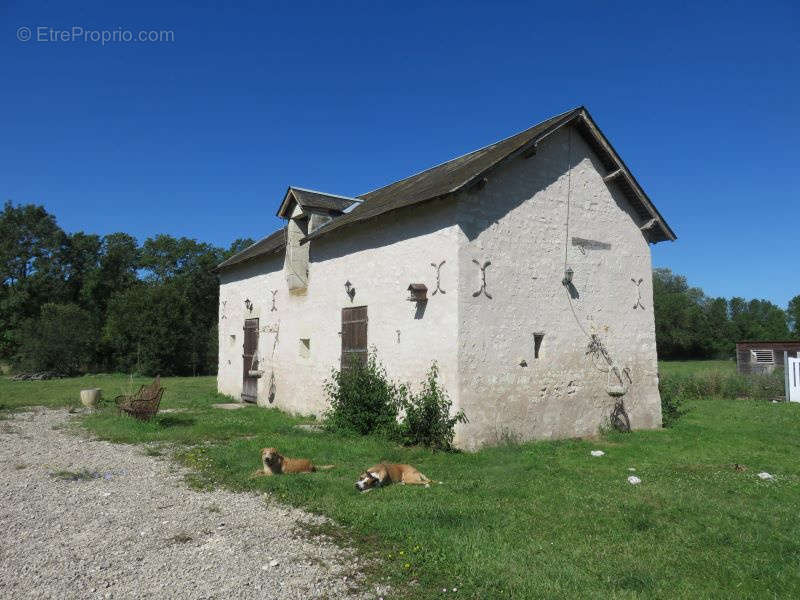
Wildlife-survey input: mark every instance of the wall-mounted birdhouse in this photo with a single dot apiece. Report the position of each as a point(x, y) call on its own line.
point(418, 292)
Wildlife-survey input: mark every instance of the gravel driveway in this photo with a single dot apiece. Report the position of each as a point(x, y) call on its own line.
point(130, 527)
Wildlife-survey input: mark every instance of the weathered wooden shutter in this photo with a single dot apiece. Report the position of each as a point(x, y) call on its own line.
point(354, 336)
point(249, 383)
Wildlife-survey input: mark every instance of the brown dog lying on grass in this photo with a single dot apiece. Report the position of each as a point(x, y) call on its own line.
point(386, 473)
point(277, 464)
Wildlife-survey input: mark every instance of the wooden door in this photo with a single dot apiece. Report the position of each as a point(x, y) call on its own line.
point(249, 348)
point(354, 336)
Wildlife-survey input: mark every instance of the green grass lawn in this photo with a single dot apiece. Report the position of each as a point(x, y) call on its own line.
point(690, 367)
point(537, 520)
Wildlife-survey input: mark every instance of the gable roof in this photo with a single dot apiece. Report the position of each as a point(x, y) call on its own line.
point(459, 173)
point(272, 244)
point(314, 199)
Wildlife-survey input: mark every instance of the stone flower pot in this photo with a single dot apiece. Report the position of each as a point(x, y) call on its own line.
point(90, 397)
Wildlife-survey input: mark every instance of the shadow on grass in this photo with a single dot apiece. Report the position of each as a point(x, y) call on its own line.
point(175, 421)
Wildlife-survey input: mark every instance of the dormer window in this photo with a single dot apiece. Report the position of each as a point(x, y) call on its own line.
point(306, 211)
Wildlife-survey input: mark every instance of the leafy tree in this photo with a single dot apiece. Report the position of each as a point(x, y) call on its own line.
point(679, 315)
point(60, 340)
point(155, 304)
point(30, 242)
point(114, 270)
point(758, 320)
point(147, 330)
point(793, 313)
point(77, 261)
point(718, 331)
point(691, 325)
point(29, 238)
point(238, 245)
point(166, 322)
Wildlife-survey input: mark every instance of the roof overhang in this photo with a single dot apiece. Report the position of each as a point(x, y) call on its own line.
point(332, 204)
point(274, 243)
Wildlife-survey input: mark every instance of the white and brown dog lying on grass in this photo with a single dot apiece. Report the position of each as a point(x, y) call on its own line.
point(385, 473)
point(277, 464)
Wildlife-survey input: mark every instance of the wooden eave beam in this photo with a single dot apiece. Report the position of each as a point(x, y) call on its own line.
point(637, 190)
point(612, 175)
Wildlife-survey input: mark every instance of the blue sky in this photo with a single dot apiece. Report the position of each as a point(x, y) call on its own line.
point(200, 136)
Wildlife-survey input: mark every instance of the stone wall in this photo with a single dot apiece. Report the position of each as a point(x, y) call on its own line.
point(380, 259)
point(518, 223)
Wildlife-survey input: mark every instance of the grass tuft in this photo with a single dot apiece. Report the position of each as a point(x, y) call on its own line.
point(80, 475)
point(180, 538)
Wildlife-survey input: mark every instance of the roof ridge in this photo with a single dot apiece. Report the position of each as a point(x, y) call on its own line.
point(465, 155)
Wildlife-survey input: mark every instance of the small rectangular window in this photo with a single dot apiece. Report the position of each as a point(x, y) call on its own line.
point(537, 344)
point(305, 347)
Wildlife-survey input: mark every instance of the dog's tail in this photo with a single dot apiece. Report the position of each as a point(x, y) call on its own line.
point(323, 467)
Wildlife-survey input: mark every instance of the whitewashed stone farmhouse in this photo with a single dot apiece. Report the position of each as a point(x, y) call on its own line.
point(522, 268)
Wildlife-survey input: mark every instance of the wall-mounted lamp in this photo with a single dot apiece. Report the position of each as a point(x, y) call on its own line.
point(248, 305)
point(349, 290)
point(567, 276)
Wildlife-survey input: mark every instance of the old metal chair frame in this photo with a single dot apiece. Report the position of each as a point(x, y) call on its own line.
point(142, 405)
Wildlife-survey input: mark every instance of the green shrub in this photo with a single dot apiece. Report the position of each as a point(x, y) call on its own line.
point(426, 417)
point(363, 400)
point(671, 400)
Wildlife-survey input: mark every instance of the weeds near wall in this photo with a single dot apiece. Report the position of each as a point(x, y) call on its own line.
point(678, 388)
point(672, 402)
point(426, 419)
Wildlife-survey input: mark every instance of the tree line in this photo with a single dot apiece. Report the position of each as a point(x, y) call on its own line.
point(78, 302)
point(690, 324)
